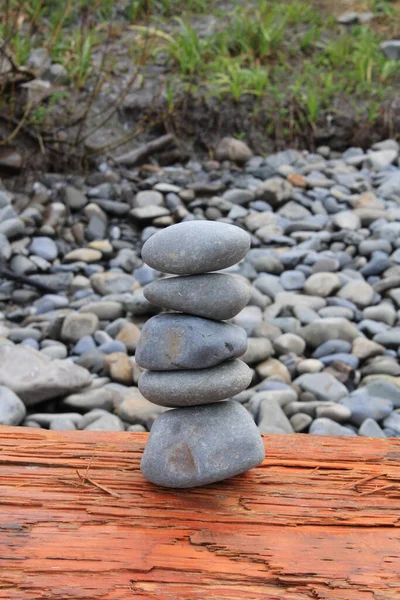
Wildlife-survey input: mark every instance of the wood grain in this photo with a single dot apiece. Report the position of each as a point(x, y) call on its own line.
point(319, 519)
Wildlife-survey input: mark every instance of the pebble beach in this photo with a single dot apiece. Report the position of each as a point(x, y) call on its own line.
point(319, 286)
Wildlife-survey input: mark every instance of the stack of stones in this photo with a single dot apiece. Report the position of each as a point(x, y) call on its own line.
point(191, 360)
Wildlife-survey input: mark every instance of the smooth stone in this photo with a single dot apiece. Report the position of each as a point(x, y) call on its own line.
point(78, 325)
point(300, 422)
point(217, 296)
point(55, 352)
point(135, 409)
point(202, 386)
point(85, 344)
point(289, 342)
point(176, 341)
point(347, 359)
point(105, 311)
point(44, 247)
point(359, 292)
point(12, 409)
point(196, 247)
point(195, 446)
point(148, 198)
point(308, 407)
point(113, 283)
point(119, 366)
point(62, 424)
point(309, 365)
point(88, 400)
point(384, 389)
point(324, 386)
point(370, 428)
point(112, 346)
point(322, 284)
point(325, 426)
point(324, 330)
point(87, 255)
point(292, 280)
point(364, 348)
point(106, 423)
point(34, 377)
point(18, 334)
point(389, 338)
point(46, 419)
point(392, 422)
point(281, 396)
point(258, 349)
point(136, 428)
point(335, 412)
point(129, 334)
point(249, 318)
point(363, 406)
point(272, 419)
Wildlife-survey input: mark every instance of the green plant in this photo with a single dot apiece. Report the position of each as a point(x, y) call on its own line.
point(188, 50)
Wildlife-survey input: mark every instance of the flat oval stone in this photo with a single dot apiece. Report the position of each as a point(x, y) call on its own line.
point(196, 247)
point(191, 387)
point(170, 342)
point(214, 295)
point(190, 447)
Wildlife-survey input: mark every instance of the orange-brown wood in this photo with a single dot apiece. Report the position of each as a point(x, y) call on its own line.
point(319, 519)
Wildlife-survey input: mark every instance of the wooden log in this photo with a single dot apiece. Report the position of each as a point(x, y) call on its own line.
point(319, 519)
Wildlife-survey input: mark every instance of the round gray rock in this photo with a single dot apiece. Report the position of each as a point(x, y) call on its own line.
point(44, 247)
point(196, 247)
point(202, 386)
point(190, 447)
point(12, 409)
point(214, 296)
point(174, 341)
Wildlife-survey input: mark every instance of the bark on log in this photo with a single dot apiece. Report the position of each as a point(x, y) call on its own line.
point(319, 519)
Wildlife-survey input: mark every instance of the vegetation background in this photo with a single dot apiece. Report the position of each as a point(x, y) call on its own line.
point(81, 80)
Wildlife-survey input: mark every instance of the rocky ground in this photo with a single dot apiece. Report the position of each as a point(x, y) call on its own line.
point(324, 268)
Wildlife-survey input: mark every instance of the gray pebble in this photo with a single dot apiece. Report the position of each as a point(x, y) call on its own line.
point(85, 344)
point(44, 247)
point(272, 419)
point(324, 386)
point(187, 388)
point(300, 422)
point(292, 280)
point(78, 325)
point(347, 359)
point(392, 422)
point(176, 341)
point(196, 247)
point(384, 389)
point(12, 409)
point(370, 428)
point(58, 351)
point(335, 412)
point(215, 295)
point(195, 446)
point(87, 400)
point(328, 427)
point(363, 406)
point(112, 346)
point(62, 424)
point(106, 423)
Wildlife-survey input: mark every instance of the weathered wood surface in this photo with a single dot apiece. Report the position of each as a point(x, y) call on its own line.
point(319, 519)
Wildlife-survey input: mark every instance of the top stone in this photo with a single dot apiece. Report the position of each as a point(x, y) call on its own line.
point(196, 247)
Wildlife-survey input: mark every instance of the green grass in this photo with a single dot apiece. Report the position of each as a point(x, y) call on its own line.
point(287, 47)
point(293, 60)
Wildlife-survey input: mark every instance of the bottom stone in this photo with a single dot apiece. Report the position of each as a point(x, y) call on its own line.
point(194, 446)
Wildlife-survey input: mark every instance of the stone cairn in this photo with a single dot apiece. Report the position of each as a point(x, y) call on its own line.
point(191, 360)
